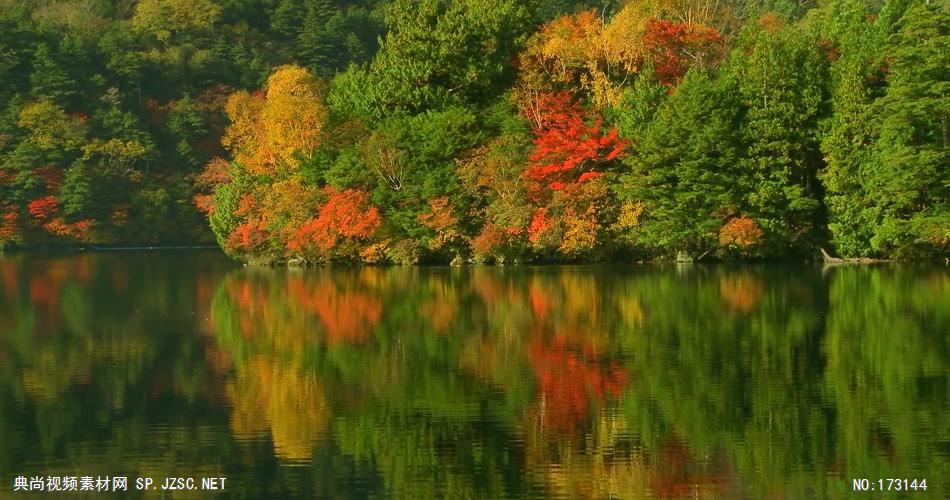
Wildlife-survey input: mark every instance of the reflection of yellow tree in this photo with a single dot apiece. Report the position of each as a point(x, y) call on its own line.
point(593, 465)
point(443, 305)
point(293, 405)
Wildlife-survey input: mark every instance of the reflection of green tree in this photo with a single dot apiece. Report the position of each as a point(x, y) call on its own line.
point(740, 379)
point(695, 381)
point(730, 373)
point(887, 371)
point(100, 364)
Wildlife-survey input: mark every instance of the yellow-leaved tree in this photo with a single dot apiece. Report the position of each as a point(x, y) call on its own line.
point(273, 131)
point(167, 18)
point(259, 199)
point(587, 51)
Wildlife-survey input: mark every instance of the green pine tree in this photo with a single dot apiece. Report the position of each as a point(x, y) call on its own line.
point(684, 171)
point(848, 143)
point(781, 76)
point(48, 78)
point(911, 180)
point(318, 47)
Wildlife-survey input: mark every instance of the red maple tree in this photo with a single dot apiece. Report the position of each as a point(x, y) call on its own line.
point(568, 145)
point(673, 46)
point(43, 208)
point(346, 214)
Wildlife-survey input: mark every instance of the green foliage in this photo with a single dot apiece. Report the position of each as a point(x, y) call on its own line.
point(686, 167)
point(77, 194)
point(781, 77)
point(413, 159)
point(49, 80)
point(911, 181)
point(638, 105)
point(886, 149)
point(847, 145)
point(436, 53)
point(798, 125)
point(224, 219)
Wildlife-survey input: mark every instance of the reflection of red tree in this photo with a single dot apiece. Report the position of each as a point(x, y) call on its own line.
point(249, 296)
point(11, 289)
point(441, 308)
point(246, 294)
point(540, 302)
point(676, 474)
point(488, 287)
point(347, 315)
point(10, 278)
point(569, 382)
point(44, 290)
point(45, 286)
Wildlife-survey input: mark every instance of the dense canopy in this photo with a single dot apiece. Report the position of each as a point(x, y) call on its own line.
point(406, 131)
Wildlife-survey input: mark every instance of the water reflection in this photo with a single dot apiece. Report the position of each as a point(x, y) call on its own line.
point(592, 382)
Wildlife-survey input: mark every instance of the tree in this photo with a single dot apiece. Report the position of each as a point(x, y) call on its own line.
point(911, 182)
point(52, 130)
point(167, 19)
point(781, 77)
point(568, 149)
point(685, 172)
point(49, 80)
point(269, 130)
point(188, 126)
point(436, 53)
point(672, 47)
point(444, 225)
point(585, 51)
point(345, 220)
point(413, 159)
point(857, 80)
point(317, 46)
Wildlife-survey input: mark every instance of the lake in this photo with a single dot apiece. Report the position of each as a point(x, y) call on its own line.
point(751, 381)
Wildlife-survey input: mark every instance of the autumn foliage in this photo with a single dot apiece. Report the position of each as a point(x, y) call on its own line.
point(346, 219)
point(674, 46)
point(442, 221)
point(741, 231)
point(8, 228)
point(272, 130)
point(567, 147)
point(42, 208)
point(645, 130)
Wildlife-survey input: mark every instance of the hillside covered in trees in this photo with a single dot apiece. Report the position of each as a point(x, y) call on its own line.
point(412, 131)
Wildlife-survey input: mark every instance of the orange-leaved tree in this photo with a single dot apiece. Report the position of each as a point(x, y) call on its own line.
point(345, 221)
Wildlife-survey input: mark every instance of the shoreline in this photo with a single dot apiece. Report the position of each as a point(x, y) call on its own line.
point(823, 257)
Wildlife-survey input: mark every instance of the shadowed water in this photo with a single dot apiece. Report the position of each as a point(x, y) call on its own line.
point(770, 381)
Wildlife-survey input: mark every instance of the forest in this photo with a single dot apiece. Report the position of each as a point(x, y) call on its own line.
point(415, 131)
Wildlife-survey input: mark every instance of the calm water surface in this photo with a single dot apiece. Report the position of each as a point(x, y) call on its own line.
point(575, 382)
